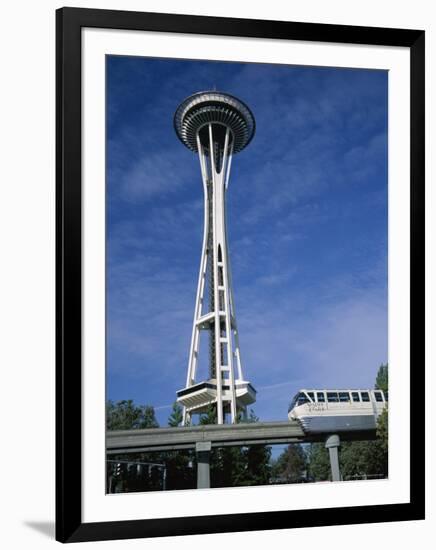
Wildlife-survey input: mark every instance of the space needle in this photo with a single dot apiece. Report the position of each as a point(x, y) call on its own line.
point(215, 125)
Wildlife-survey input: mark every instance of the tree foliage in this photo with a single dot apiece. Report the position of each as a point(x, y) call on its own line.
point(176, 416)
point(146, 471)
point(209, 417)
point(125, 415)
point(318, 462)
point(290, 466)
point(382, 430)
point(361, 459)
point(381, 382)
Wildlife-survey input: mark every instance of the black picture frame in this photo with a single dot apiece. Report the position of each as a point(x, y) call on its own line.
point(69, 22)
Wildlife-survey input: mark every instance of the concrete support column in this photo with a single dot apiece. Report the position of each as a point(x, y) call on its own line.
point(202, 449)
point(332, 444)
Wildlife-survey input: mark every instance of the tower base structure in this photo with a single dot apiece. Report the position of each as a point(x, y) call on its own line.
point(197, 399)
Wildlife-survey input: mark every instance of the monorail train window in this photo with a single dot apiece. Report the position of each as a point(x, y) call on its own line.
point(365, 396)
point(355, 396)
point(332, 397)
point(378, 396)
point(293, 403)
point(302, 398)
point(344, 396)
point(311, 395)
point(321, 397)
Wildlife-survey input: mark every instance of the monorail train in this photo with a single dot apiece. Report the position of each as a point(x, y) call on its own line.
point(335, 411)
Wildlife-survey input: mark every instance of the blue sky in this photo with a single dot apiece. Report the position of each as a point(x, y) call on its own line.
point(307, 217)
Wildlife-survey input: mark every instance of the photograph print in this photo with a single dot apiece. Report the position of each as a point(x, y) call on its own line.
point(246, 274)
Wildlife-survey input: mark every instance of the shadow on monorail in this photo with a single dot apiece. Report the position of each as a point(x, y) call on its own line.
point(337, 411)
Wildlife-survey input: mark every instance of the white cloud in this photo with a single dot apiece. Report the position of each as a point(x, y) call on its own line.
point(157, 174)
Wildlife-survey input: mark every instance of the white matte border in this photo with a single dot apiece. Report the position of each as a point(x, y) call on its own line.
point(96, 505)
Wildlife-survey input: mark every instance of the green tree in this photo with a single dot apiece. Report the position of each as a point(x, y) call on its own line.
point(176, 416)
point(177, 465)
point(356, 459)
point(126, 415)
point(291, 465)
point(318, 462)
point(122, 415)
point(381, 382)
point(209, 417)
point(382, 430)
point(256, 460)
point(382, 440)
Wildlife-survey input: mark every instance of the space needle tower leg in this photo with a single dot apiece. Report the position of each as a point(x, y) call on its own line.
point(216, 126)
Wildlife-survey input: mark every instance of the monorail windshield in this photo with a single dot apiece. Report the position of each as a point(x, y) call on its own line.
point(299, 399)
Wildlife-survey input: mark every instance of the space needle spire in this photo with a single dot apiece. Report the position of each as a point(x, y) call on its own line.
point(216, 126)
